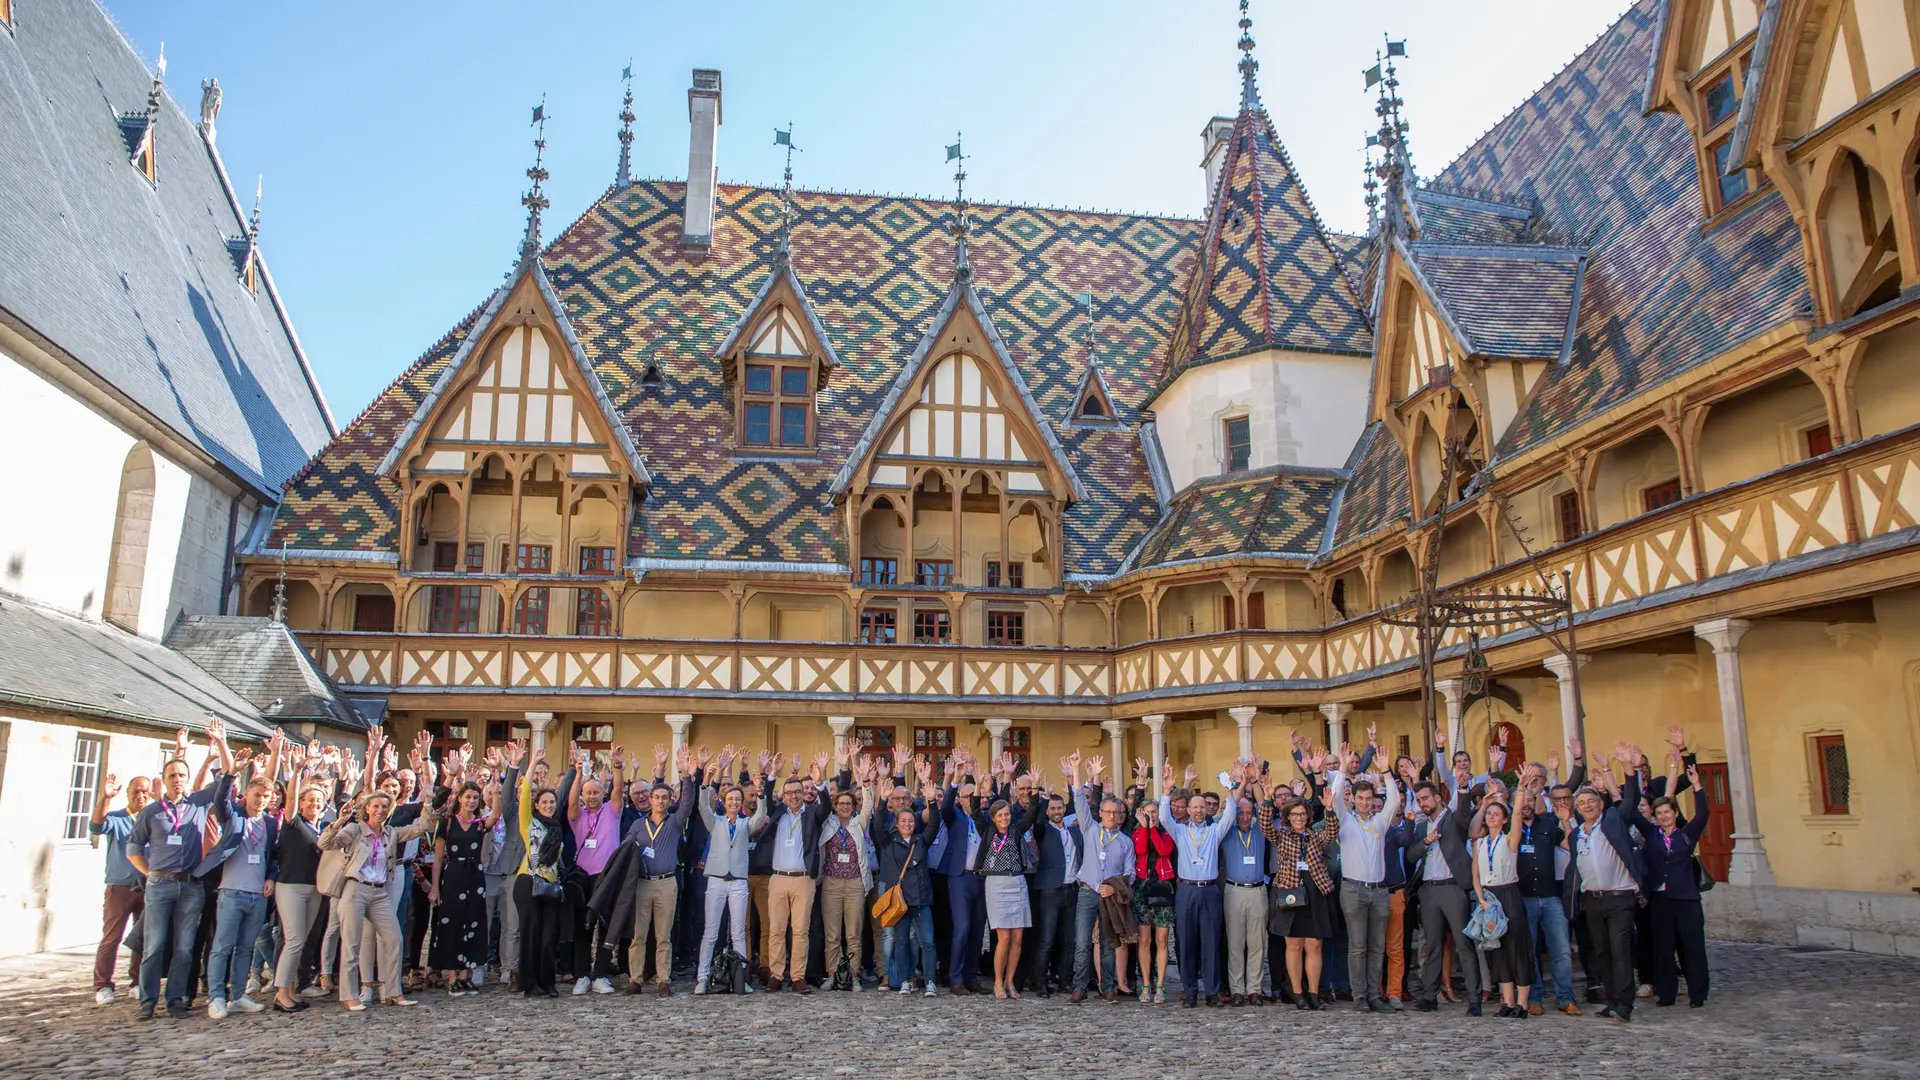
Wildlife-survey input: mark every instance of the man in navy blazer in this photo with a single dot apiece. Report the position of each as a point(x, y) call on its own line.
point(1055, 888)
point(1603, 883)
point(246, 858)
point(966, 892)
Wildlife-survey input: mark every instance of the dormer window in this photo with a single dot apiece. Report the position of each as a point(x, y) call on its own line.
point(778, 401)
point(1718, 90)
point(1092, 408)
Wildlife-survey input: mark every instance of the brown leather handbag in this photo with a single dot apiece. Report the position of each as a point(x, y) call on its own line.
point(891, 906)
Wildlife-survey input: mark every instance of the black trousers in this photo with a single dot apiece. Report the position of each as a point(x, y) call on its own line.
point(1678, 925)
point(1054, 914)
point(690, 922)
point(1609, 918)
point(539, 935)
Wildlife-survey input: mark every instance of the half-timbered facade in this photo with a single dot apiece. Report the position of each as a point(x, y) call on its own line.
point(1144, 485)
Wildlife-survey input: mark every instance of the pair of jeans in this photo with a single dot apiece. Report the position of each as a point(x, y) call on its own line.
point(1548, 917)
point(1365, 907)
point(918, 923)
point(1086, 921)
point(240, 914)
point(172, 916)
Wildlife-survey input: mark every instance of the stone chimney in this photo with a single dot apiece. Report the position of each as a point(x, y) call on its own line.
point(703, 110)
point(1213, 143)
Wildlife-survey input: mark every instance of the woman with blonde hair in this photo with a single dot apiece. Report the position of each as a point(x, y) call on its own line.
point(372, 847)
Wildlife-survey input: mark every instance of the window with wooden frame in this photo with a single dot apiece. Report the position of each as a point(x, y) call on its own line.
point(1567, 508)
point(879, 571)
point(446, 556)
point(776, 404)
point(933, 572)
point(83, 784)
point(1228, 619)
point(1834, 780)
point(477, 558)
point(598, 560)
point(1016, 575)
point(535, 559)
point(373, 612)
point(502, 732)
point(446, 735)
point(936, 743)
point(1817, 440)
point(1019, 743)
point(873, 740)
point(597, 741)
point(1237, 435)
point(1257, 609)
point(454, 609)
point(1662, 494)
point(1717, 91)
point(877, 625)
point(530, 614)
point(1006, 628)
point(932, 627)
point(592, 613)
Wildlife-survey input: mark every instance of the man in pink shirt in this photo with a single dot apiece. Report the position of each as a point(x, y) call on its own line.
point(595, 819)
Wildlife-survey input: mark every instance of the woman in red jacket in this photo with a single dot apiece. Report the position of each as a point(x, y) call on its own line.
point(1152, 901)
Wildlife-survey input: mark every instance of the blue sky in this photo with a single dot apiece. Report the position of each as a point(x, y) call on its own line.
point(393, 136)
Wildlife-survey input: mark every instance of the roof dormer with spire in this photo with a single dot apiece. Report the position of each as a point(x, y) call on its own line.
point(1270, 305)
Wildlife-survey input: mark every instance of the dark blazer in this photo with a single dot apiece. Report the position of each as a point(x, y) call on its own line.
point(917, 883)
point(1452, 844)
point(1613, 830)
point(1669, 860)
point(1054, 869)
point(811, 815)
point(953, 862)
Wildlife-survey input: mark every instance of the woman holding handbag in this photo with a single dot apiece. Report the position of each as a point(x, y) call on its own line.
point(903, 879)
point(1304, 893)
point(1495, 846)
point(372, 847)
point(1153, 850)
point(539, 893)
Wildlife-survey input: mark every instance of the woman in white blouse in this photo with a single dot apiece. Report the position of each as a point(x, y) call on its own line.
point(1496, 877)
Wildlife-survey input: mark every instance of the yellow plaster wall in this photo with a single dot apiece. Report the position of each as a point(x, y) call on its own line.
point(664, 613)
point(1884, 389)
point(1759, 431)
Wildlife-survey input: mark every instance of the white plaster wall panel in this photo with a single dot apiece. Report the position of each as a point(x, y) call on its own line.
point(64, 567)
point(172, 488)
point(1302, 409)
point(202, 552)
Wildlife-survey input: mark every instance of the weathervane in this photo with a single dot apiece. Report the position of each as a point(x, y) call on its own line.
point(534, 200)
point(1395, 168)
point(962, 269)
point(783, 252)
point(624, 177)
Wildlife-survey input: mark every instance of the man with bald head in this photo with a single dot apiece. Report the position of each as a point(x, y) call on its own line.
point(126, 889)
point(166, 845)
point(1106, 852)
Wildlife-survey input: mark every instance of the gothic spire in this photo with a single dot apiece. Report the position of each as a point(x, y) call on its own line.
point(624, 177)
point(783, 251)
point(1249, 93)
point(962, 269)
point(1395, 168)
point(534, 200)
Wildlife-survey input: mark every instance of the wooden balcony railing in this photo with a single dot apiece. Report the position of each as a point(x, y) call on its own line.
point(1858, 493)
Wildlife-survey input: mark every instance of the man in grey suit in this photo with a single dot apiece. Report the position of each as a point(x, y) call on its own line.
point(1446, 877)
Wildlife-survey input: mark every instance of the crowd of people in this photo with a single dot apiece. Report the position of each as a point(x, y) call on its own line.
point(279, 878)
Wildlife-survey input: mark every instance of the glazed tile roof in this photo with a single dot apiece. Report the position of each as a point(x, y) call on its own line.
point(1375, 491)
point(1269, 274)
point(1504, 300)
point(1274, 511)
point(1660, 294)
point(1446, 218)
point(875, 269)
point(135, 280)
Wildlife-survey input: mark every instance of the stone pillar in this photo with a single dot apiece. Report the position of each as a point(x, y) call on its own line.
point(1572, 724)
point(678, 723)
point(996, 739)
point(1749, 865)
point(1336, 714)
point(1243, 716)
point(1117, 736)
point(537, 725)
point(842, 731)
point(1454, 692)
point(1157, 727)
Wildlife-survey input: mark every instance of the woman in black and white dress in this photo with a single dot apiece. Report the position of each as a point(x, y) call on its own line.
point(459, 894)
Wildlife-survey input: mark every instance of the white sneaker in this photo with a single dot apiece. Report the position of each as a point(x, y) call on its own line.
point(217, 1009)
point(246, 1004)
point(253, 986)
point(477, 976)
point(906, 988)
point(1645, 991)
point(103, 996)
point(579, 987)
point(928, 992)
point(700, 987)
point(313, 990)
point(856, 986)
point(601, 986)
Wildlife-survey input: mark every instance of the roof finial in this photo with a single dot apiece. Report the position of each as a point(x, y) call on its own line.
point(1249, 93)
point(1395, 168)
point(1371, 184)
point(624, 178)
point(962, 269)
point(253, 223)
point(534, 200)
point(784, 250)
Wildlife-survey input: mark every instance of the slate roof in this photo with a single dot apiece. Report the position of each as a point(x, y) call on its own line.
point(1375, 493)
point(62, 662)
point(1446, 218)
point(875, 270)
point(1269, 274)
point(1274, 511)
point(1660, 295)
point(1503, 300)
point(134, 279)
point(263, 662)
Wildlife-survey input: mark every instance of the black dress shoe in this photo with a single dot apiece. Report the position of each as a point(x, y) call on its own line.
point(1213, 1001)
point(1696, 1004)
point(146, 1010)
point(1316, 1002)
point(1427, 1006)
point(1301, 1002)
point(1623, 1017)
point(178, 1010)
point(1664, 1004)
point(1473, 1009)
point(1379, 1006)
point(1605, 1013)
point(297, 1006)
point(1191, 1001)
point(1505, 1012)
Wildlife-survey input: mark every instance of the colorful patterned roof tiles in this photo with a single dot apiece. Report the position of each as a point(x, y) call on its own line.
point(1274, 511)
point(1508, 300)
point(1374, 494)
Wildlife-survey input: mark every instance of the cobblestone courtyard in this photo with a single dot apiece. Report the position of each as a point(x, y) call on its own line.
point(1773, 1014)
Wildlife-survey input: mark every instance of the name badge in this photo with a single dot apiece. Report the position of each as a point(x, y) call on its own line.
point(1301, 863)
point(1247, 859)
point(789, 840)
point(751, 844)
point(253, 858)
point(173, 839)
point(647, 851)
point(845, 858)
point(1526, 849)
point(592, 842)
point(1197, 860)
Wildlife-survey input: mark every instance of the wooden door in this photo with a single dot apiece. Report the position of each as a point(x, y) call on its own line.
point(1716, 847)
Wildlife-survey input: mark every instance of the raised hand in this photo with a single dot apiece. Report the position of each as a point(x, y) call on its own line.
point(1440, 737)
point(660, 758)
point(1373, 737)
point(820, 762)
point(1693, 777)
point(1096, 765)
point(539, 755)
point(1553, 762)
point(768, 757)
point(216, 731)
point(1575, 751)
point(111, 786)
point(516, 752)
point(1140, 770)
point(706, 755)
point(900, 756)
point(1676, 738)
point(619, 758)
point(923, 769)
point(180, 742)
point(1192, 774)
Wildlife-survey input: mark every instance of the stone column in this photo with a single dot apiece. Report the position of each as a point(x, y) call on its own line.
point(678, 723)
point(1749, 865)
point(1243, 716)
point(1572, 724)
point(1336, 714)
point(1157, 727)
point(1117, 736)
point(996, 739)
point(1454, 692)
point(842, 731)
point(537, 725)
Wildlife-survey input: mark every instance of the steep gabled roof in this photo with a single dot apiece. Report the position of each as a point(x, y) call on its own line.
point(263, 662)
point(961, 296)
point(1268, 275)
point(1516, 301)
point(782, 274)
